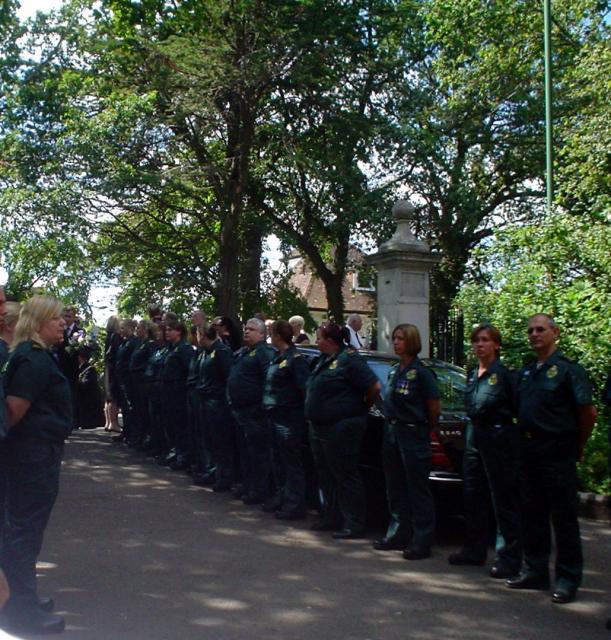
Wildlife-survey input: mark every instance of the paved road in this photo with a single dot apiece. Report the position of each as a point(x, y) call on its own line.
point(134, 552)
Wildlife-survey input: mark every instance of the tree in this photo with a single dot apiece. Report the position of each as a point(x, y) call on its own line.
point(469, 112)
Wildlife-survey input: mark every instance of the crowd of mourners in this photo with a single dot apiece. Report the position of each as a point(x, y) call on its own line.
point(247, 412)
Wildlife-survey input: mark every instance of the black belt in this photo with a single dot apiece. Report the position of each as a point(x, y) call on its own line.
point(540, 434)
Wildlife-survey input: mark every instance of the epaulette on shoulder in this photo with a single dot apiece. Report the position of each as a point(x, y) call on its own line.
point(35, 345)
point(350, 351)
point(567, 359)
point(297, 355)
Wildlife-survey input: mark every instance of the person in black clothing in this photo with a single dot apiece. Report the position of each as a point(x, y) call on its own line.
point(245, 393)
point(491, 460)
point(174, 394)
point(89, 402)
point(126, 400)
point(283, 398)
point(214, 368)
point(112, 392)
point(39, 408)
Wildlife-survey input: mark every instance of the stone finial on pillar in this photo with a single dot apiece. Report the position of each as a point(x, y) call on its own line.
point(403, 264)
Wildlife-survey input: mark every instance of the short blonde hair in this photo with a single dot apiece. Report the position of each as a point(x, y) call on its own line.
point(35, 312)
point(411, 335)
point(12, 314)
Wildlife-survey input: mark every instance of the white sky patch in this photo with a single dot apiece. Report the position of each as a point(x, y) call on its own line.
point(29, 8)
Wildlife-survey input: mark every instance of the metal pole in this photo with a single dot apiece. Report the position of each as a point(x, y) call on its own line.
point(549, 128)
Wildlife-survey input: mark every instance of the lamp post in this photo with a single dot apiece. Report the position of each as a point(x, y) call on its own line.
point(549, 127)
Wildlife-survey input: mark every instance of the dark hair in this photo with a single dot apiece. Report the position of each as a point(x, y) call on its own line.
point(235, 337)
point(177, 326)
point(493, 332)
point(210, 332)
point(151, 328)
point(336, 333)
point(154, 312)
point(283, 330)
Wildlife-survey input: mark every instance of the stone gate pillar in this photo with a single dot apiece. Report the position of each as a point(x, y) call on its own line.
point(403, 264)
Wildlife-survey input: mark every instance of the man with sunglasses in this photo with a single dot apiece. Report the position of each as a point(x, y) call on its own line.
point(556, 417)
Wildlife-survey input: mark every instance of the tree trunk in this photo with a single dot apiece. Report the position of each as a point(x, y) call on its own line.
point(250, 269)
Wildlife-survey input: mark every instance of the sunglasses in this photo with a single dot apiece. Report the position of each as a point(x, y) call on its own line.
point(532, 330)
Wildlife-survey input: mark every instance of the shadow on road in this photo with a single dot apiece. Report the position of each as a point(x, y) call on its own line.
point(134, 551)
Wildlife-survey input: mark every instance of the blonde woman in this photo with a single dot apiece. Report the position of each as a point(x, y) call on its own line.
point(39, 414)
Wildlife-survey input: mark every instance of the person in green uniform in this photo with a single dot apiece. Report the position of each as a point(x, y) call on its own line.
point(138, 361)
point(126, 397)
point(245, 394)
point(490, 462)
point(412, 409)
point(39, 412)
point(283, 399)
point(556, 417)
point(174, 394)
point(214, 368)
point(339, 393)
point(158, 447)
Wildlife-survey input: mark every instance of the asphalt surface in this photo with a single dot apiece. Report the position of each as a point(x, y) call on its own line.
point(133, 551)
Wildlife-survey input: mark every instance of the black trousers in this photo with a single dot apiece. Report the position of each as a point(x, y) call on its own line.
point(220, 428)
point(29, 481)
point(549, 492)
point(336, 448)
point(491, 469)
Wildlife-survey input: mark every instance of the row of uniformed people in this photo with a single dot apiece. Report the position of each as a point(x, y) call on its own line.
point(266, 386)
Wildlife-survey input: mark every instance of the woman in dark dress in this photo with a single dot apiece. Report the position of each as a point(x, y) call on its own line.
point(111, 385)
point(89, 404)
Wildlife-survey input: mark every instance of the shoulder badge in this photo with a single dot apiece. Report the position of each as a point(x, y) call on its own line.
point(552, 372)
point(297, 355)
point(333, 365)
point(493, 379)
point(283, 364)
point(252, 354)
point(411, 374)
point(213, 354)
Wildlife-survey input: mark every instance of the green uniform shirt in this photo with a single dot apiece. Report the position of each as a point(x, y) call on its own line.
point(155, 363)
point(286, 380)
point(176, 363)
point(139, 357)
point(408, 391)
point(32, 374)
point(214, 370)
point(245, 383)
point(336, 388)
point(548, 396)
point(489, 398)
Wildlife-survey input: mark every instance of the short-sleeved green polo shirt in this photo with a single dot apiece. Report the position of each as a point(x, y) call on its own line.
point(286, 380)
point(489, 397)
point(33, 374)
point(337, 387)
point(548, 396)
point(408, 391)
point(245, 383)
